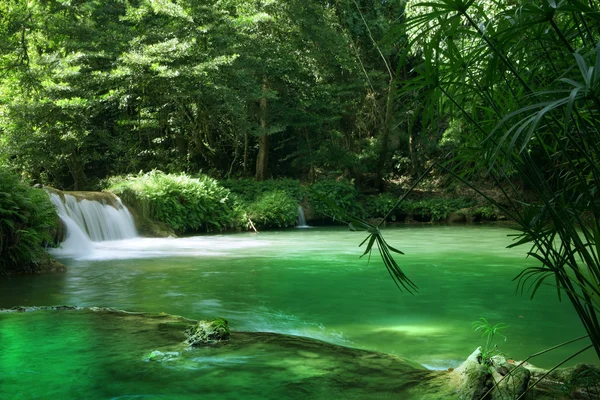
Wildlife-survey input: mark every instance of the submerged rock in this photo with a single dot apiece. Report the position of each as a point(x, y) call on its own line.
point(160, 356)
point(208, 332)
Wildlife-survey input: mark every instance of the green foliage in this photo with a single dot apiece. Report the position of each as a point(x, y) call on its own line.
point(521, 81)
point(95, 89)
point(274, 209)
point(378, 206)
point(435, 209)
point(490, 332)
point(426, 210)
point(486, 213)
point(185, 204)
point(27, 218)
point(248, 190)
point(341, 194)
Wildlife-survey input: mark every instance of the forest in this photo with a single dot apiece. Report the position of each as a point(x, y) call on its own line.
point(226, 115)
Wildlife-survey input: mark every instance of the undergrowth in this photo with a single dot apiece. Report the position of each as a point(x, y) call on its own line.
point(27, 220)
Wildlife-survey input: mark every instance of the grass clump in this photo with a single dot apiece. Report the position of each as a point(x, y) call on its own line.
point(27, 221)
point(275, 209)
point(184, 203)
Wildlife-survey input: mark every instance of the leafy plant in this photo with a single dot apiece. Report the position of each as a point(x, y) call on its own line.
point(275, 209)
point(341, 195)
point(249, 190)
point(489, 213)
point(378, 206)
point(524, 78)
point(490, 332)
point(184, 203)
point(27, 221)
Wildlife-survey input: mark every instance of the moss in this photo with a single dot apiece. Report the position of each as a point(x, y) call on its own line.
point(208, 332)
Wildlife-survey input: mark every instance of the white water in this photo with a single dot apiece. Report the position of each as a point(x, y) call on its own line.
point(89, 222)
point(301, 219)
point(154, 248)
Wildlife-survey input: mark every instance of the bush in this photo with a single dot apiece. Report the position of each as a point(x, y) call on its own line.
point(486, 213)
point(342, 194)
point(249, 190)
point(274, 209)
point(184, 203)
point(27, 220)
point(426, 210)
point(435, 209)
point(378, 207)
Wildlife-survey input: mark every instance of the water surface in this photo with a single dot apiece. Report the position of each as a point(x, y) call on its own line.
point(311, 282)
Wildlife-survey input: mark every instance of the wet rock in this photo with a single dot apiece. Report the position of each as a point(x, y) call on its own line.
point(475, 378)
point(160, 356)
point(208, 332)
point(459, 216)
point(579, 382)
point(513, 381)
point(494, 378)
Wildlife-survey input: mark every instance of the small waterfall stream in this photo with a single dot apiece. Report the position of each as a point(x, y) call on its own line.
point(88, 220)
point(301, 219)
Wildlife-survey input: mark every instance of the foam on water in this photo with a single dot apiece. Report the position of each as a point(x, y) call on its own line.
point(138, 248)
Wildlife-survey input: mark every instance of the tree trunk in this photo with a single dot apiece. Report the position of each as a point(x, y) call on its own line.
point(262, 159)
point(245, 153)
point(414, 156)
point(77, 172)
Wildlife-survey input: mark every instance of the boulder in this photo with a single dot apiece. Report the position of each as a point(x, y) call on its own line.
point(580, 382)
point(478, 376)
point(208, 332)
point(512, 381)
point(475, 378)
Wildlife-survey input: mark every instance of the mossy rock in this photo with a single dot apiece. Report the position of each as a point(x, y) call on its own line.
point(208, 332)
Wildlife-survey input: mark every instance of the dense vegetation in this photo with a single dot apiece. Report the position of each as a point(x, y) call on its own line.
point(518, 85)
point(345, 95)
point(186, 204)
point(233, 88)
point(27, 220)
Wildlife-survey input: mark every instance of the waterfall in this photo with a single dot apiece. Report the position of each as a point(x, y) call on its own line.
point(301, 219)
point(92, 220)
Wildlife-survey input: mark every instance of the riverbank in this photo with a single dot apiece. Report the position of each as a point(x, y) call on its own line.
point(187, 204)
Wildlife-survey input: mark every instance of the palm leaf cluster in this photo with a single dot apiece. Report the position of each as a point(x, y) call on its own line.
point(522, 81)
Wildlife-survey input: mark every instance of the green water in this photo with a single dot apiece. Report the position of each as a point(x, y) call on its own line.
point(310, 282)
point(105, 355)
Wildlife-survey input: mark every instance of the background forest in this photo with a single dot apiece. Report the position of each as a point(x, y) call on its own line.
point(232, 88)
point(370, 95)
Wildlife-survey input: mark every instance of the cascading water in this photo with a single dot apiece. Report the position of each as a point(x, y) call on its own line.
point(89, 221)
point(301, 219)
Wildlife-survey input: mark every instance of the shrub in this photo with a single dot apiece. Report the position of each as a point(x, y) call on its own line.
point(27, 219)
point(184, 203)
point(249, 190)
point(486, 213)
point(435, 209)
point(274, 209)
point(378, 207)
point(327, 193)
